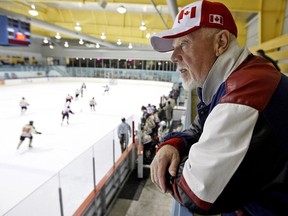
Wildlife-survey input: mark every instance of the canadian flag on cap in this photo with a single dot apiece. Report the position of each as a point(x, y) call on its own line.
point(215, 18)
point(190, 12)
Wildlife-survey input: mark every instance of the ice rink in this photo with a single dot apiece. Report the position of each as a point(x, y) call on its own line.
point(24, 170)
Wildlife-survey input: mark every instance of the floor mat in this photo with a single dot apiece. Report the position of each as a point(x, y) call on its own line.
point(134, 185)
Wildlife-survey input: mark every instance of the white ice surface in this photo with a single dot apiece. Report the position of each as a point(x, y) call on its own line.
point(24, 170)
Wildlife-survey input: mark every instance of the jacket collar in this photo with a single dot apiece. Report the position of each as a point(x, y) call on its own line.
point(222, 68)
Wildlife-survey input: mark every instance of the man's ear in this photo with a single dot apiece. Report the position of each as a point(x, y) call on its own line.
point(223, 39)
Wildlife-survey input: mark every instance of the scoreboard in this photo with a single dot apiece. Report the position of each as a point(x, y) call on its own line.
point(14, 32)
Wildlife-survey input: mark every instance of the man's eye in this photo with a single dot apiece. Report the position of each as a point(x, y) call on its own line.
point(183, 44)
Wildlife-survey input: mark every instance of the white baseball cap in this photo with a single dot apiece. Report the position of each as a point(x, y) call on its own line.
point(191, 18)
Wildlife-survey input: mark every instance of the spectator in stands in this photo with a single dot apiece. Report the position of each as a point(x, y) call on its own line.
point(148, 148)
point(161, 113)
point(261, 53)
point(24, 105)
point(168, 113)
point(124, 132)
point(144, 115)
point(172, 101)
point(162, 131)
point(233, 159)
point(150, 124)
point(150, 109)
point(174, 93)
point(156, 115)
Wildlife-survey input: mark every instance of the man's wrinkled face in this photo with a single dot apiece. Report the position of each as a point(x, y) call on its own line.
point(194, 54)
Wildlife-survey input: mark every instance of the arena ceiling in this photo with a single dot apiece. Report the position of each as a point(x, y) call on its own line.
point(101, 17)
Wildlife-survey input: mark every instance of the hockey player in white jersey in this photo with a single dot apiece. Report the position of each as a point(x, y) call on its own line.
point(69, 99)
point(92, 104)
point(65, 114)
point(77, 93)
point(83, 86)
point(27, 132)
point(23, 104)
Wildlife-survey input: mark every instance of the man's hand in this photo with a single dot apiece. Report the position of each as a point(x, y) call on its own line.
point(165, 162)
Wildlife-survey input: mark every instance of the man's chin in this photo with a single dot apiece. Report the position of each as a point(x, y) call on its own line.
point(189, 86)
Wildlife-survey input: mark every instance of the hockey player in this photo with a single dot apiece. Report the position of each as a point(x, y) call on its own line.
point(92, 104)
point(106, 89)
point(65, 114)
point(83, 86)
point(77, 92)
point(69, 98)
point(23, 104)
point(27, 132)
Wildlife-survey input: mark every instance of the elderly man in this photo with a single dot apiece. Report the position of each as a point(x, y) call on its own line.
point(233, 158)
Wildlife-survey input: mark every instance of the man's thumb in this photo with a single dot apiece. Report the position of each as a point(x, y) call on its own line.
point(173, 167)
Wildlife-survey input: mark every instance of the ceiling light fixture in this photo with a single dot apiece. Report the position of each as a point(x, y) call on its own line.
point(103, 36)
point(77, 27)
point(33, 11)
point(143, 27)
point(148, 35)
point(121, 9)
point(58, 36)
point(81, 42)
point(119, 42)
point(45, 40)
point(130, 46)
point(97, 45)
point(66, 44)
point(51, 46)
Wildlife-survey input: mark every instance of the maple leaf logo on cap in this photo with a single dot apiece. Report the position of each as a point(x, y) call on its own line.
point(186, 12)
point(215, 18)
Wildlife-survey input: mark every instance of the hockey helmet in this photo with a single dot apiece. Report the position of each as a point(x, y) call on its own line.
point(31, 122)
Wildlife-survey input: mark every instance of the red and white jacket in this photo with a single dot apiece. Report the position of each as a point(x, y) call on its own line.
point(235, 154)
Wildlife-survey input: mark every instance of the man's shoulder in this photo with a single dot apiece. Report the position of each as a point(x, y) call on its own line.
point(252, 84)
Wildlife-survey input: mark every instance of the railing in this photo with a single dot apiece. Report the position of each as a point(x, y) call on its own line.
point(96, 174)
point(15, 72)
point(114, 73)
